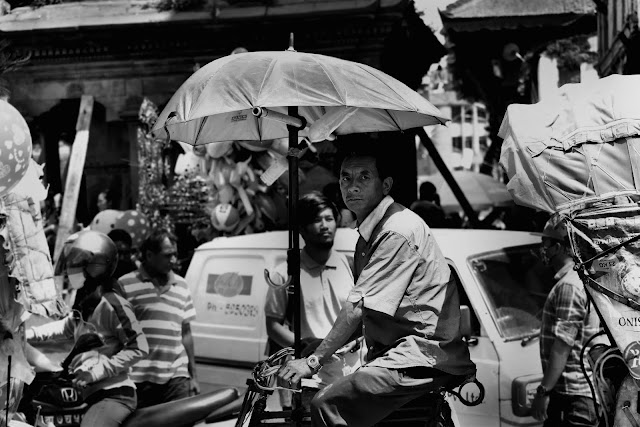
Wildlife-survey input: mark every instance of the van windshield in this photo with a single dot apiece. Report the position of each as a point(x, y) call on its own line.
point(515, 284)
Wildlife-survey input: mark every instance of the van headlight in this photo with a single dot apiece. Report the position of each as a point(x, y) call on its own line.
point(523, 390)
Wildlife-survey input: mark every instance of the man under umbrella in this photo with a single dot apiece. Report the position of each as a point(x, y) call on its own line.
point(408, 303)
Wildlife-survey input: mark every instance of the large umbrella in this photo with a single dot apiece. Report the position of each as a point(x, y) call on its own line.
point(261, 96)
point(483, 191)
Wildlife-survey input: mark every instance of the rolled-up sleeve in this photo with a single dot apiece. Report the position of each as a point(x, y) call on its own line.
point(386, 277)
point(570, 313)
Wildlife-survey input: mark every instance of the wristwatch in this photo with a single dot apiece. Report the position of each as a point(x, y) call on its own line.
point(542, 391)
point(314, 363)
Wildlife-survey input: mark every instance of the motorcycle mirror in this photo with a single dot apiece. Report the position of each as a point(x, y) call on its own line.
point(84, 343)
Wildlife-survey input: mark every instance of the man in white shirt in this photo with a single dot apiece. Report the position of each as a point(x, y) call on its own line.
point(326, 278)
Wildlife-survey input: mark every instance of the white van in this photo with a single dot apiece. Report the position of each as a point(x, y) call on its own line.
point(498, 276)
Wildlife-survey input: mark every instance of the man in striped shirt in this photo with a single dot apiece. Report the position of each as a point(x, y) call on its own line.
point(164, 307)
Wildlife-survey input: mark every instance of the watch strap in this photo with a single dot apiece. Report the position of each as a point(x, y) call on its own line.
point(542, 391)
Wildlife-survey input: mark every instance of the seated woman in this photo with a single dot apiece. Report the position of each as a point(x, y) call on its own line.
point(101, 374)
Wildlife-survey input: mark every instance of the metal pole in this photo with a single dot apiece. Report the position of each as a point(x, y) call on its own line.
point(293, 255)
point(442, 167)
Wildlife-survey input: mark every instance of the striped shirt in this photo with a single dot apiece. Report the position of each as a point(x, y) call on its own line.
point(566, 317)
point(125, 344)
point(161, 311)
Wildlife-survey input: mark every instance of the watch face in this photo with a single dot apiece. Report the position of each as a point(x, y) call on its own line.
point(313, 362)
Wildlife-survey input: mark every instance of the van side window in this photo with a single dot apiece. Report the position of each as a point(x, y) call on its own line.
point(464, 300)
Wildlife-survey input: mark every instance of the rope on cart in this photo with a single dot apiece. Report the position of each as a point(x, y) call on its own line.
point(588, 281)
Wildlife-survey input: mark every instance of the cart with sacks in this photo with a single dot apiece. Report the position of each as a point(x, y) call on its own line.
point(577, 156)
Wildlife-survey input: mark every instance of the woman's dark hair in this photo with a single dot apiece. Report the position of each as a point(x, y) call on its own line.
point(311, 204)
point(154, 242)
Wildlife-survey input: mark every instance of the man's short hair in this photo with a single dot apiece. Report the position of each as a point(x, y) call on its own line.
point(154, 242)
point(428, 191)
point(120, 235)
point(311, 204)
point(382, 157)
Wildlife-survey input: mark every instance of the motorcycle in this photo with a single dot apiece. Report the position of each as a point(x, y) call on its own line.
point(53, 401)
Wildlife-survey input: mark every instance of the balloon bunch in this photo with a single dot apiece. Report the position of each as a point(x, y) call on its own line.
point(241, 198)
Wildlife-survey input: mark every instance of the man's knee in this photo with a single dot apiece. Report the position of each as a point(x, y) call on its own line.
point(319, 400)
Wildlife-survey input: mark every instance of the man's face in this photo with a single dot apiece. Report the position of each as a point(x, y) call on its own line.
point(102, 202)
point(548, 249)
point(361, 187)
point(322, 231)
point(163, 261)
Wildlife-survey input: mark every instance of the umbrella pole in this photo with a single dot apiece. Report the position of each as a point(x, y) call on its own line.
point(446, 173)
point(293, 255)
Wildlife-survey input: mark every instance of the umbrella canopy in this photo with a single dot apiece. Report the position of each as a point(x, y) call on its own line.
point(217, 101)
point(482, 191)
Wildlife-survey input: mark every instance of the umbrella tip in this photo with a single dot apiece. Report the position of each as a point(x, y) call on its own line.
point(291, 48)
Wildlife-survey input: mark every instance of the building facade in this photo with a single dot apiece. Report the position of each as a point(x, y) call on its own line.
point(121, 51)
point(618, 38)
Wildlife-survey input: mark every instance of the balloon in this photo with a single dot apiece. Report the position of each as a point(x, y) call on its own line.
point(255, 145)
point(136, 224)
point(200, 150)
point(105, 221)
point(15, 147)
point(226, 194)
point(225, 217)
point(219, 149)
point(187, 164)
point(266, 205)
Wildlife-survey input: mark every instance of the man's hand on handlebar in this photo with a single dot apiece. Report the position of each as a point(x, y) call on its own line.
point(294, 370)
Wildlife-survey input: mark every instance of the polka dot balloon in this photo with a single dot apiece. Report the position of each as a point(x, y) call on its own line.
point(105, 220)
point(15, 147)
point(136, 224)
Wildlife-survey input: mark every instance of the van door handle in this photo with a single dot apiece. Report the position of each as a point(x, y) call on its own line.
point(471, 341)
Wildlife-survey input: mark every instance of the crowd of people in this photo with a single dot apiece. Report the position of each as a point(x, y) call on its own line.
point(133, 297)
point(142, 310)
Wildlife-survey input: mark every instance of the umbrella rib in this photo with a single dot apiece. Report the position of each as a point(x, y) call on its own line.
point(394, 120)
point(264, 79)
point(204, 120)
point(384, 83)
point(344, 101)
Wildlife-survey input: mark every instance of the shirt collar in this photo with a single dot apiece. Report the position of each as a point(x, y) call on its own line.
point(310, 263)
point(146, 277)
point(566, 269)
point(371, 221)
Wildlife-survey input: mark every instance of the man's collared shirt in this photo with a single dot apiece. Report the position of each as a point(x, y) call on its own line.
point(324, 291)
point(567, 317)
point(411, 306)
point(161, 311)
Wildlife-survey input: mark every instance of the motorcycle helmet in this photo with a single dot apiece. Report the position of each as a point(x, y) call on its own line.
point(94, 253)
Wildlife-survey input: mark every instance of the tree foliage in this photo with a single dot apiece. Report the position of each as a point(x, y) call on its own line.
point(571, 52)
